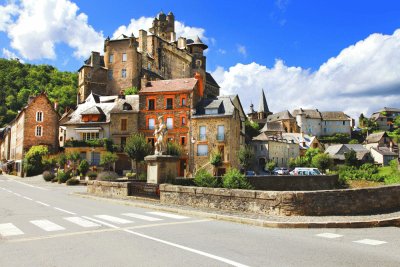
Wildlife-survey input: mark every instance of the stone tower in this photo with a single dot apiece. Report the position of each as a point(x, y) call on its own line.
point(164, 26)
point(263, 110)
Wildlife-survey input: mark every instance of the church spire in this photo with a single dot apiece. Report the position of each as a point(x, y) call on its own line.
point(263, 106)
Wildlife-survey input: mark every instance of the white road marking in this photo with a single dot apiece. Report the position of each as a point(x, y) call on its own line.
point(329, 235)
point(28, 198)
point(370, 242)
point(44, 204)
point(168, 215)
point(19, 195)
point(66, 211)
point(33, 186)
point(9, 229)
point(101, 222)
point(81, 222)
point(142, 217)
point(113, 219)
point(47, 225)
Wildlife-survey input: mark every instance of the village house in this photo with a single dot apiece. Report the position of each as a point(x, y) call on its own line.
point(218, 127)
point(382, 148)
point(98, 122)
point(337, 152)
point(35, 124)
point(385, 118)
point(304, 141)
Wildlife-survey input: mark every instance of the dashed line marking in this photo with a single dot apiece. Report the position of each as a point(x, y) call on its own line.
point(66, 211)
point(329, 235)
point(370, 242)
point(33, 186)
point(44, 204)
point(28, 198)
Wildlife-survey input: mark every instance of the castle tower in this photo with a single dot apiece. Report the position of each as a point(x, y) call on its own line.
point(164, 26)
point(263, 110)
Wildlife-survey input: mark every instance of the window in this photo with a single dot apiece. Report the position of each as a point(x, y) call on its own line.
point(170, 123)
point(183, 121)
point(111, 58)
point(183, 140)
point(95, 158)
point(39, 116)
point(151, 124)
point(90, 136)
point(344, 123)
point(123, 124)
point(183, 101)
point(124, 57)
point(82, 155)
point(123, 73)
point(110, 74)
point(211, 111)
point(151, 104)
point(202, 131)
point(61, 138)
point(202, 150)
point(169, 103)
point(149, 66)
point(39, 131)
point(221, 133)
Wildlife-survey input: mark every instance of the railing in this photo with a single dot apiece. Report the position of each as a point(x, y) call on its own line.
point(220, 137)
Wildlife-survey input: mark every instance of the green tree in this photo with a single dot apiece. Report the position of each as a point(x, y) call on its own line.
point(234, 179)
point(131, 91)
point(270, 165)
point(73, 158)
point(310, 153)
point(252, 128)
point(246, 156)
point(350, 158)
point(322, 161)
point(205, 179)
point(301, 162)
point(33, 160)
point(107, 159)
point(83, 167)
point(354, 141)
point(137, 148)
point(174, 149)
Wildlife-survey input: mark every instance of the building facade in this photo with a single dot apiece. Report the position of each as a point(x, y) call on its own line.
point(385, 118)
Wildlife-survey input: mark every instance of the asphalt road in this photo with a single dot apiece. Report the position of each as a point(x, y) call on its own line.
point(43, 224)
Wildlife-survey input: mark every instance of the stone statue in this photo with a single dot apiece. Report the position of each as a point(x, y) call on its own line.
point(161, 137)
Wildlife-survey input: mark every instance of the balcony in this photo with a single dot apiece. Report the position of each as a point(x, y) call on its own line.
point(221, 137)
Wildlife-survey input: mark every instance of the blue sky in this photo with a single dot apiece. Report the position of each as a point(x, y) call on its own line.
point(278, 45)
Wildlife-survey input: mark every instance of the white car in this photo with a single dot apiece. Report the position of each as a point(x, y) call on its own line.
point(305, 171)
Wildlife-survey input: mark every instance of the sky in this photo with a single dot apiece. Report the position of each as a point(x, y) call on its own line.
point(330, 55)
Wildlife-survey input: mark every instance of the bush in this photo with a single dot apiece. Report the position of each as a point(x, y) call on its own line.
point(142, 177)
point(205, 179)
point(174, 149)
point(48, 176)
point(234, 179)
point(33, 160)
point(107, 176)
point(72, 181)
point(83, 167)
point(92, 175)
point(63, 176)
point(130, 175)
point(270, 165)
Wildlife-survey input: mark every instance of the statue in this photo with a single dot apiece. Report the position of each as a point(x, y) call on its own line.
point(161, 137)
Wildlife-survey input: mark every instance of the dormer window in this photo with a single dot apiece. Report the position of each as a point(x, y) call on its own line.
point(211, 111)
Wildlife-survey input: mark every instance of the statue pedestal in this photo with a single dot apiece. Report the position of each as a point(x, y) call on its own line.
point(161, 167)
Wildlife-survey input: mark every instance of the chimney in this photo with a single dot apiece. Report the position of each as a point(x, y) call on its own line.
point(142, 41)
point(199, 79)
point(55, 105)
point(173, 37)
point(144, 82)
point(182, 43)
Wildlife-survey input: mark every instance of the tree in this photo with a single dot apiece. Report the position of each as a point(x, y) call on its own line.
point(246, 156)
point(83, 167)
point(73, 158)
point(174, 149)
point(322, 161)
point(252, 128)
point(354, 141)
point(137, 148)
point(107, 159)
point(216, 160)
point(350, 158)
point(131, 91)
point(234, 179)
point(33, 160)
point(310, 153)
point(301, 162)
point(270, 165)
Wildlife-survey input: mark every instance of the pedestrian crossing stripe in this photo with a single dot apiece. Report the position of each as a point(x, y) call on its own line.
point(9, 229)
point(329, 235)
point(47, 225)
point(142, 217)
point(370, 242)
point(113, 219)
point(82, 222)
point(168, 215)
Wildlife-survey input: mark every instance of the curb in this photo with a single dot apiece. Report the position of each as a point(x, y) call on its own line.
point(395, 221)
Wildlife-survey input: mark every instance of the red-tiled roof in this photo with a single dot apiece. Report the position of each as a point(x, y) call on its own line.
point(184, 84)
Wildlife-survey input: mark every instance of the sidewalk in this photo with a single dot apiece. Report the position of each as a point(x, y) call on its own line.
point(361, 221)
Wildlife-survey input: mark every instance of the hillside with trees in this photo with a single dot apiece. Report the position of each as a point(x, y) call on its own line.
point(18, 81)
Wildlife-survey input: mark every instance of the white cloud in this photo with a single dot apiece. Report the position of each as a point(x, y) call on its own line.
point(146, 22)
point(10, 54)
point(6, 14)
point(241, 50)
point(362, 78)
point(39, 25)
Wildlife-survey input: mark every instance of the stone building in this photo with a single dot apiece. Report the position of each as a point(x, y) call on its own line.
point(218, 126)
point(35, 124)
point(97, 119)
point(286, 121)
point(173, 100)
point(156, 54)
point(385, 118)
point(260, 116)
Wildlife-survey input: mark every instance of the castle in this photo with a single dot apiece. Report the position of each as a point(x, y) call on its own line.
point(153, 55)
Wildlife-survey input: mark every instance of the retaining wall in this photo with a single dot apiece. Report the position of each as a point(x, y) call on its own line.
point(301, 203)
point(294, 182)
point(108, 189)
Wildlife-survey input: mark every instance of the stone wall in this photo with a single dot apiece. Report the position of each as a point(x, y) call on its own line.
point(294, 182)
point(108, 189)
point(289, 203)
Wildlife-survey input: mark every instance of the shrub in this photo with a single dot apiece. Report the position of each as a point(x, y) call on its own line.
point(33, 160)
point(130, 175)
point(48, 176)
point(322, 161)
point(205, 179)
point(83, 167)
point(142, 176)
point(107, 176)
point(72, 181)
point(131, 91)
point(174, 149)
point(92, 175)
point(63, 176)
point(108, 159)
point(234, 179)
point(270, 165)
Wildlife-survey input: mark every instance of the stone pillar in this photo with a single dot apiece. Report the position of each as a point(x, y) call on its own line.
point(161, 167)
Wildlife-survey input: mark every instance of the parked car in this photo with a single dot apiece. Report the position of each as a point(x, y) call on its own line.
point(281, 171)
point(250, 173)
point(305, 171)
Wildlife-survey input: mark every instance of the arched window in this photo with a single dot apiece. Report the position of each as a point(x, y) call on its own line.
point(39, 131)
point(39, 116)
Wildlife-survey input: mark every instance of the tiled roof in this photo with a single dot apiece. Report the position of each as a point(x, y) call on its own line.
point(374, 138)
point(309, 113)
point(222, 103)
point(385, 151)
point(129, 104)
point(275, 126)
point(334, 116)
point(93, 110)
point(338, 151)
point(283, 115)
point(210, 80)
point(184, 84)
